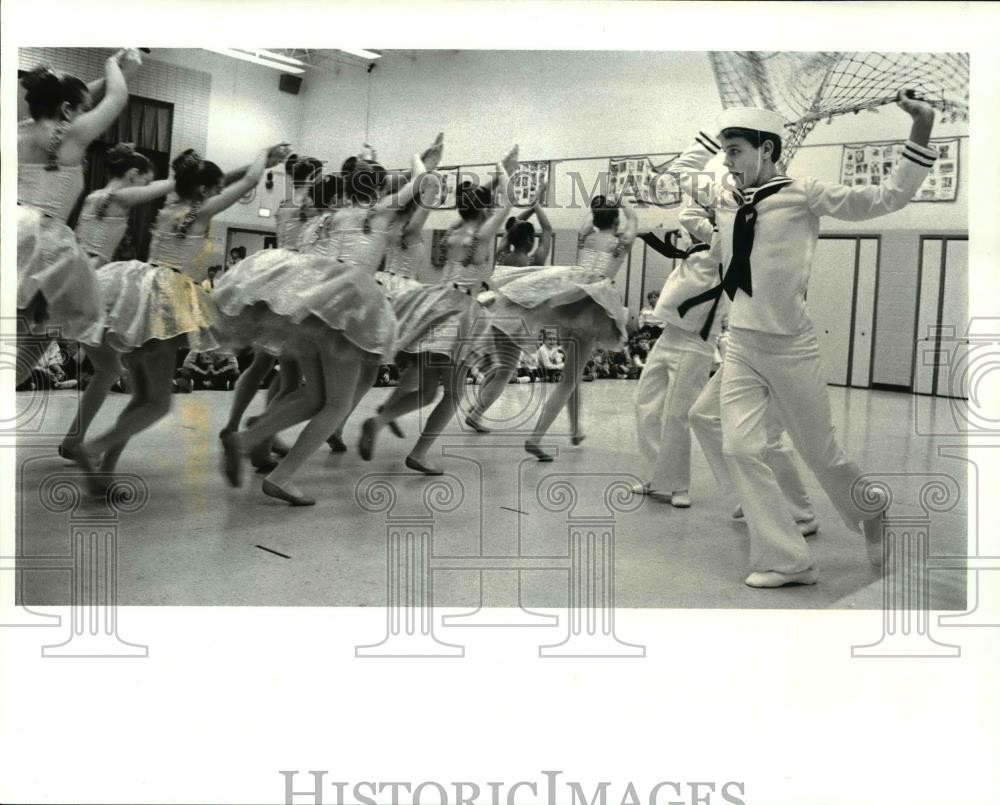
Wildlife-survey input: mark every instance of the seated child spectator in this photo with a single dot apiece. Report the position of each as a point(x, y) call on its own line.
point(649, 325)
point(208, 370)
point(550, 359)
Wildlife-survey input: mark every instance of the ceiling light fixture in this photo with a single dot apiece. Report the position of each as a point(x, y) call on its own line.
point(364, 54)
point(256, 57)
point(270, 54)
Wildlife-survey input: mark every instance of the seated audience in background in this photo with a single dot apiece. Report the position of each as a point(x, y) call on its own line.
point(388, 375)
point(618, 363)
point(527, 369)
point(213, 274)
point(550, 359)
point(649, 325)
point(602, 369)
point(638, 352)
point(58, 368)
point(207, 370)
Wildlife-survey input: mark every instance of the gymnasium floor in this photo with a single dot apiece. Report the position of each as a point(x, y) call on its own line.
point(198, 542)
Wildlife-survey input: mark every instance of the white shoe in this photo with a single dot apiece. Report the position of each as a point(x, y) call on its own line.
point(680, 500)
point(772, 578)
point(640, 489)
point(738, 513)
point(808, 527)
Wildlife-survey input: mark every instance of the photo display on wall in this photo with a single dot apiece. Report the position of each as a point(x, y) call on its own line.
point(449, 183)
point(644, 179)
point(869, 164)
point(527, 179)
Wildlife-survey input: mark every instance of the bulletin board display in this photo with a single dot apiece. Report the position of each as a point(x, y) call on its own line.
point(869, 165)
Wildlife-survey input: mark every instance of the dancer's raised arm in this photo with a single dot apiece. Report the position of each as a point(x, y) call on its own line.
point(267, 158)
point(88, 126)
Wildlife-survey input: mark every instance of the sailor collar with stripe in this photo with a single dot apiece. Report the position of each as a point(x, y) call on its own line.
point(746, 195)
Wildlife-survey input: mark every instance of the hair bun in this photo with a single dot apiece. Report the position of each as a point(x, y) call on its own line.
point(41, 78)
point(120, 152)
point(187, 162)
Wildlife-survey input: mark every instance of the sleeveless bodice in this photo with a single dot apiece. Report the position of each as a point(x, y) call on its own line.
point(464, 272)
point(178, 252)
point(100, 235)
point(53, 192)
point(290, 226)
point(472, 275)
point(405, 262)
point(606, 263)
point(362, 246)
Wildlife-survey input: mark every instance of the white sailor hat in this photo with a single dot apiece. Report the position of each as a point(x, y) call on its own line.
point(748, 117)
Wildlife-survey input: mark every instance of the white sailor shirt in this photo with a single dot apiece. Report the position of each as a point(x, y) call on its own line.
point(787, 229)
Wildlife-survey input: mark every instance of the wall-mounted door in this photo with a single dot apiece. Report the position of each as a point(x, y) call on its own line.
point(942, 318)
point(841, 302)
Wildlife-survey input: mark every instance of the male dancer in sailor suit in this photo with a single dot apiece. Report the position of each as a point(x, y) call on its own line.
point(768, 228)
point(676, 370)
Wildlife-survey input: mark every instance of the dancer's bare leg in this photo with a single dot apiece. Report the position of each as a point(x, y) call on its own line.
point(337, 373)
point(247, 386)
point(152, 369)
point(436, 422)
point(505, 358)
point(107, 369)
point(560, 394)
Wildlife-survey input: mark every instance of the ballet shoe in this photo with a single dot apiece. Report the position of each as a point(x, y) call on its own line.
point(98, 485)
point(261, 454)
point(475, 425)
point(575, 440)
point(366, 446)
point(396, 430)
point(265, 466)
point(73, 453)
point(232, 460)
point(272, 490)
point(808, 528)
point(336, 444)
point(537, 452)
point(640, 489)
point(79, 456)
point(680, 500)
point(772, 578)
point(738, 513)
point(419, 466)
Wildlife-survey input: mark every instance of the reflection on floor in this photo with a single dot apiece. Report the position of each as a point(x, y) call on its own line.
point(195, 541)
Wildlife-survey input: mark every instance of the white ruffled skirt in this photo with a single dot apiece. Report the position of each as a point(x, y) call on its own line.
point(143, 302)
point(277, 299)
point(56, 284)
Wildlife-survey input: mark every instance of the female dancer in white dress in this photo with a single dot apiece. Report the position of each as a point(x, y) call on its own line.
point(404, 255)
point(99, 230)
point(268, 266)
point(56, 285)
point(436, 321)
point(153, 308)
point(581, 302)
point(516, 257)
point(335, 318)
